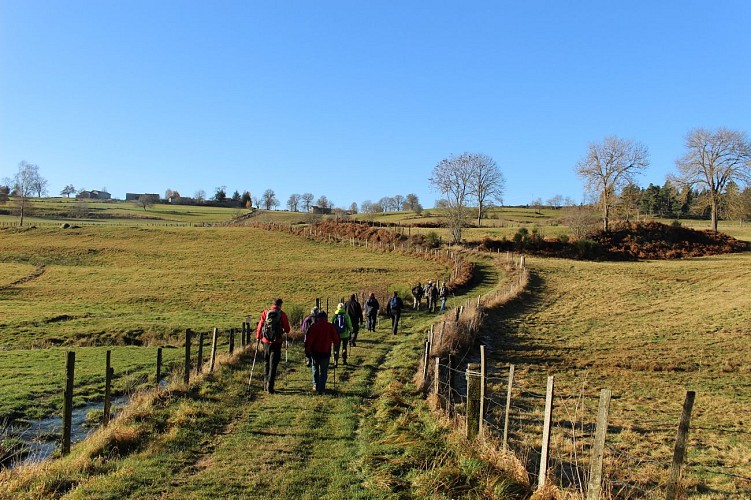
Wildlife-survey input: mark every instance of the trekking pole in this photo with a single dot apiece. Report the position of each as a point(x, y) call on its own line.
point(258, 343)
point(334, 376)
point(286, 365)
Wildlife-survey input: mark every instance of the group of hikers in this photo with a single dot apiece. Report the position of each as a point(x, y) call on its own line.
point(322, 337)
point(432, 292)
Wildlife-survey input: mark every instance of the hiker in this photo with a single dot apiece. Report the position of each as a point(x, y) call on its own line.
point(321, 335)
point(371, 311)
point(417, 293)
point(443, 294)
point(271, 329)
point(432, 293)
point(343, 326)
point(394, 309)
point(354, 310)
point(306, 323)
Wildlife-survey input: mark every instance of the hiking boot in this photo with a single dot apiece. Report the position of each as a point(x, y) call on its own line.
point(353, 345)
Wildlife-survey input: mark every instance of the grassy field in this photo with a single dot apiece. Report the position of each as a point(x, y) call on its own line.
point(116, 286)
point(649, 331)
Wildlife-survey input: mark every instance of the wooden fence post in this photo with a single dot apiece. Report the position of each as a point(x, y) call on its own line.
point(483, 375)
point(426, 361)
point(214, 339)
point(450, 387)
point(158, 366)
point(598, 449)
point(437, 380)
point(679, 454)
point(231, 340)
point(508, 406)
point(242, 335)
point(70, 367)
point(542, 477)
point(199, 358)
point(186, 373)
point(107, 388)
point(473, 400)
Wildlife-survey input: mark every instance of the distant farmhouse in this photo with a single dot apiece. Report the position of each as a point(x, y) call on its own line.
point(136, 196)
point(94, 195)
point(315, 209)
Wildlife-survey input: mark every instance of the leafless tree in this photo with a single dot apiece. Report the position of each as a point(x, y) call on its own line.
point(556, 201)
point(398, 202)
point(68, 190)
point(306, 199)
point(412, 203)
point(293, 203)
point(486, 183)
point(200, 195)
point(26, 182)
point(353, 208)
point(712, 160)
point(608, 167)
point(324, 202)
point(269, 199)
point(146, 200)
point(452, 177)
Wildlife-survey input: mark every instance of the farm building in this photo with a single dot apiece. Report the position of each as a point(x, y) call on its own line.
point(94, 195)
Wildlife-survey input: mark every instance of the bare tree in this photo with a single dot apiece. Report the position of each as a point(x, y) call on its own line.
point(398, 202)
point(26, 182)
point(713, 159)
point(353, 208)
point(452, 177)
point(293, 203)
point(200, 195)
point(306, 199)
point(68, 190)
point(412, 202)
point(323, 202)
point(269, 199)
point(146, 200)
point(608, 167)
point(486, 182)
point(556, 201)
point(4, 193)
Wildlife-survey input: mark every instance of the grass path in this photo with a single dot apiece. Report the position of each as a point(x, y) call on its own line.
point(294, 443)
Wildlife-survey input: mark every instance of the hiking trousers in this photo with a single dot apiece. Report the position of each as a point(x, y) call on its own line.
point(320, 371)
point(395, 322)
point(272, 353)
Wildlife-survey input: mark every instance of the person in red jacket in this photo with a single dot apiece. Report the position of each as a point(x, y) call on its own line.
point(321, 336)
point(272, 330)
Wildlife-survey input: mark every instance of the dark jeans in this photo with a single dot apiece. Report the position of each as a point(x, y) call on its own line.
point(355, 331)
point(343, 343)
point(395, 321)
point(372, 323)
point(320, 371)
point(272, 353)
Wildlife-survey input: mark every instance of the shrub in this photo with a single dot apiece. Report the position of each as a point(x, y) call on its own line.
point(432, 239)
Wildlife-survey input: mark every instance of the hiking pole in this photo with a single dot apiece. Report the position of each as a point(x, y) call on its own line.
point(286, 366)
point(258, 343)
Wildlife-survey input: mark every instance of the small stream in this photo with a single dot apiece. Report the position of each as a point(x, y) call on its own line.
point(42, 437)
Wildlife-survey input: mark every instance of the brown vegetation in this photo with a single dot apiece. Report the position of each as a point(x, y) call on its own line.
point(625, 241)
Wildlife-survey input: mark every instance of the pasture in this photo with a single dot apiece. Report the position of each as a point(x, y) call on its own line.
point(649, 331)
point(104, 286)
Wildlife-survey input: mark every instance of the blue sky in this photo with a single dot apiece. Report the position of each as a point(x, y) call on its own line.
point(358, 100)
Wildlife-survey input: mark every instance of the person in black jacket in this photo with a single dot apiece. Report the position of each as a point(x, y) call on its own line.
point(371, 311)
point(353, 308)
point(394, 309)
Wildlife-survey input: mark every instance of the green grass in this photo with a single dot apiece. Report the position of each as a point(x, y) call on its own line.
point(32, 381)
point(111, 286)
point(649, 331)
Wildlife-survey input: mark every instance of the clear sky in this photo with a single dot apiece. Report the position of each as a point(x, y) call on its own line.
point(357, 100)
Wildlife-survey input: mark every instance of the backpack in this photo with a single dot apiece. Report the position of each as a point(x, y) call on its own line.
point(272, 326)
point(394, 304)
point(307, 323)
point(340, 324)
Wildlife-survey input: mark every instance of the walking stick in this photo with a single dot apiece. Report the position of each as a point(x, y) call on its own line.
point(258, 343)
point(334, 376)
point(286, 366)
